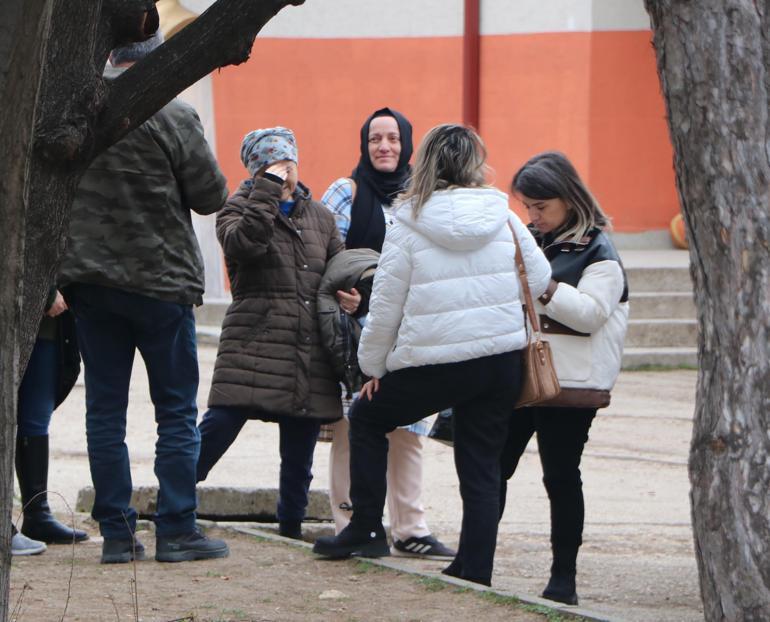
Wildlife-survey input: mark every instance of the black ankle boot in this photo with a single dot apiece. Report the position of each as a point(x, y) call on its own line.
point(359, 540)
point(32, 472)
point(454, 569)
point(290, 529)
point(561, 586)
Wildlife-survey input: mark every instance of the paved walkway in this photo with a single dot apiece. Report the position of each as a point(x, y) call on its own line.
point(637, 562)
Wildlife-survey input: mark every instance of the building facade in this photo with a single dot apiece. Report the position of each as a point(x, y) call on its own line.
point(578, 76)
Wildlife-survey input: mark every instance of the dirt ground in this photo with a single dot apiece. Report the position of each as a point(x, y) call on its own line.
point(261, 581)
point(636, 563)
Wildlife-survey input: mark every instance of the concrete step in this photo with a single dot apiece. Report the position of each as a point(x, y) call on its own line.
point(212, 311)
point(659, 305)
point(644, 304)
point(635, 358)
point(221, 503)
point(642, 333)
point(207, 334)
point(661, 333)
point(658, 279)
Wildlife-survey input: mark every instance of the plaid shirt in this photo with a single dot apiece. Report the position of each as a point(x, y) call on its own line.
point(421, 427)
point(339, 200)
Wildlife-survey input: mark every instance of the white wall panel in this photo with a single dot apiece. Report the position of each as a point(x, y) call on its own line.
point(620, 15)
point(502, 17)
point(538, 16)
point(342, 19)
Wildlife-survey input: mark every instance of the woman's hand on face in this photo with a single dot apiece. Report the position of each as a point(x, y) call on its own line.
point(370, 388)
point(58, 307)
point(287, 171)
point(279, 169)
point(349, 302)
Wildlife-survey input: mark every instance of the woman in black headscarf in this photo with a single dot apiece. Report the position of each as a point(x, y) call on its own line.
point(361, 205)
point(382, 173)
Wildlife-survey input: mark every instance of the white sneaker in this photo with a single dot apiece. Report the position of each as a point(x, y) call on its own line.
point(22, 545)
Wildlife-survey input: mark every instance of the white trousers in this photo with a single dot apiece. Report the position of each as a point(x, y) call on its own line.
point(407, 516)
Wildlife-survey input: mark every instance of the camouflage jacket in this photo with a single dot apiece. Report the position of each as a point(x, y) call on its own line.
point(131, 226)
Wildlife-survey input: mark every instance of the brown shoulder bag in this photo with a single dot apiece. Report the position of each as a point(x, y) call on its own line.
point(538, 382)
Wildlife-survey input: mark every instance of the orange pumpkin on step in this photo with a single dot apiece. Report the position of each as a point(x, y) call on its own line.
point(678, 233)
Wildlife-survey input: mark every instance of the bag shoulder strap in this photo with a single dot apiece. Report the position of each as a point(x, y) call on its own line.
point(530, 307)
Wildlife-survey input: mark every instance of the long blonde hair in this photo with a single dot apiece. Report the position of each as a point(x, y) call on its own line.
point(449, 156)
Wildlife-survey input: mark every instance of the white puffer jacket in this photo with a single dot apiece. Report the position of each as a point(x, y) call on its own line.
point(446, 288)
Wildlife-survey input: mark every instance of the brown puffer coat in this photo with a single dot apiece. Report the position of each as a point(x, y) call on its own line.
point(270, 357)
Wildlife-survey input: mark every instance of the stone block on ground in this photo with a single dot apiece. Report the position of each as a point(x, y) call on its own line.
point(222, 503)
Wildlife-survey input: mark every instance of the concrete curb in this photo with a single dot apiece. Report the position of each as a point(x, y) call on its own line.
point(222, 503)
point(390, 563)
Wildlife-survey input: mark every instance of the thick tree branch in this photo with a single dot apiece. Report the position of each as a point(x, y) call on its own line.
point(81, 115)
point(64, 134)
point(216, 39)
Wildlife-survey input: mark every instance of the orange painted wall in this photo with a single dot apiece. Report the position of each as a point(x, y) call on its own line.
point(324, 90)
point(631, 162)
point(594, 96)
point(533, 98)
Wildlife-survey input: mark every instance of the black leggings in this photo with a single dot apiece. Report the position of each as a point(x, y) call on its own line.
point(561, 435)
point(481, 391)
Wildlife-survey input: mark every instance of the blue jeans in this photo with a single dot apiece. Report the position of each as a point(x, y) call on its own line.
point(111, 326)
point(37, 393)
point(219, 428)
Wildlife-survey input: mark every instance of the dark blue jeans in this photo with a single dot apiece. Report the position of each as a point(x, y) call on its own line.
point(37, 393)
point(111, 326)
point(219, 428)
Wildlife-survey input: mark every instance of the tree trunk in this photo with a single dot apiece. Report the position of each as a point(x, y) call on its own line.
point(23, 33)
point(713, 64)
point(52, 53)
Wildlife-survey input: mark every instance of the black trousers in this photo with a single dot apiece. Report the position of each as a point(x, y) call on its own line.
point(481, 392)
point(561, 435)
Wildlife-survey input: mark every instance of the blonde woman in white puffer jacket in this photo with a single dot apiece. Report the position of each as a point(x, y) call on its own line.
point(445, 329)
point(584, 316)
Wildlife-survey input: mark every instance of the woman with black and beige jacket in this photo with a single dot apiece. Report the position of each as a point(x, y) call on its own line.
point(271, 364)
point(584, 316)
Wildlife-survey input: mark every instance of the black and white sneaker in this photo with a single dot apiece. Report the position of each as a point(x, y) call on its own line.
point(427, 547)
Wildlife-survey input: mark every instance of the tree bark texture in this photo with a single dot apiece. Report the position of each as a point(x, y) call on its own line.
point(23, 33)
point(56, 115)
point(713, 65)
point(79, 114)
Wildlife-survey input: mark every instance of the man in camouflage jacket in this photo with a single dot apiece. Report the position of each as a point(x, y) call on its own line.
point(132, 272)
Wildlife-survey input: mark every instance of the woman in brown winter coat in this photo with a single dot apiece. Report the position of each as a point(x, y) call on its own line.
point(270, 364)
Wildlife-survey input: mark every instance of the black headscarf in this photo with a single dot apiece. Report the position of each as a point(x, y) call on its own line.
point(374, 188)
